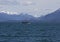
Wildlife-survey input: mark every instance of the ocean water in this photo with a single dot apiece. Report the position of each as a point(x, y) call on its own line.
point(34, 32)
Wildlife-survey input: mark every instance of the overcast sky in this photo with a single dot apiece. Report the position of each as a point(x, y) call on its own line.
point(33, 7)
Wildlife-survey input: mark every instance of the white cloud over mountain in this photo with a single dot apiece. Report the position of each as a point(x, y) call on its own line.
point(34, 7)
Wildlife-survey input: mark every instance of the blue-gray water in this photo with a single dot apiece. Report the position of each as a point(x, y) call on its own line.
point(18, 32)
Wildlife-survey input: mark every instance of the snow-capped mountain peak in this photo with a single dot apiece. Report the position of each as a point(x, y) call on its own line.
point(8, 12)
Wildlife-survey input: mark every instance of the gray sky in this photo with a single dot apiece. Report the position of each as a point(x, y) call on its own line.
point(32, 7)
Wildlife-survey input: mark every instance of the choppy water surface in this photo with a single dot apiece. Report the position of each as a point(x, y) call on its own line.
point(18, 32)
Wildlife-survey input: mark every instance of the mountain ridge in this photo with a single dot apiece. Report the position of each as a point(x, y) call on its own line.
point(21, 17)
point(51, 17)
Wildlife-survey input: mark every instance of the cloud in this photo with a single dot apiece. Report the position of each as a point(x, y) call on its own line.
point(31, 6)
point(16, 2)
point(27, 3)
point(8, 2)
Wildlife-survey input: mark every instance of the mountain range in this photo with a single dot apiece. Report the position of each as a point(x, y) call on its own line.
point(51, 17)
point(22, 17)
